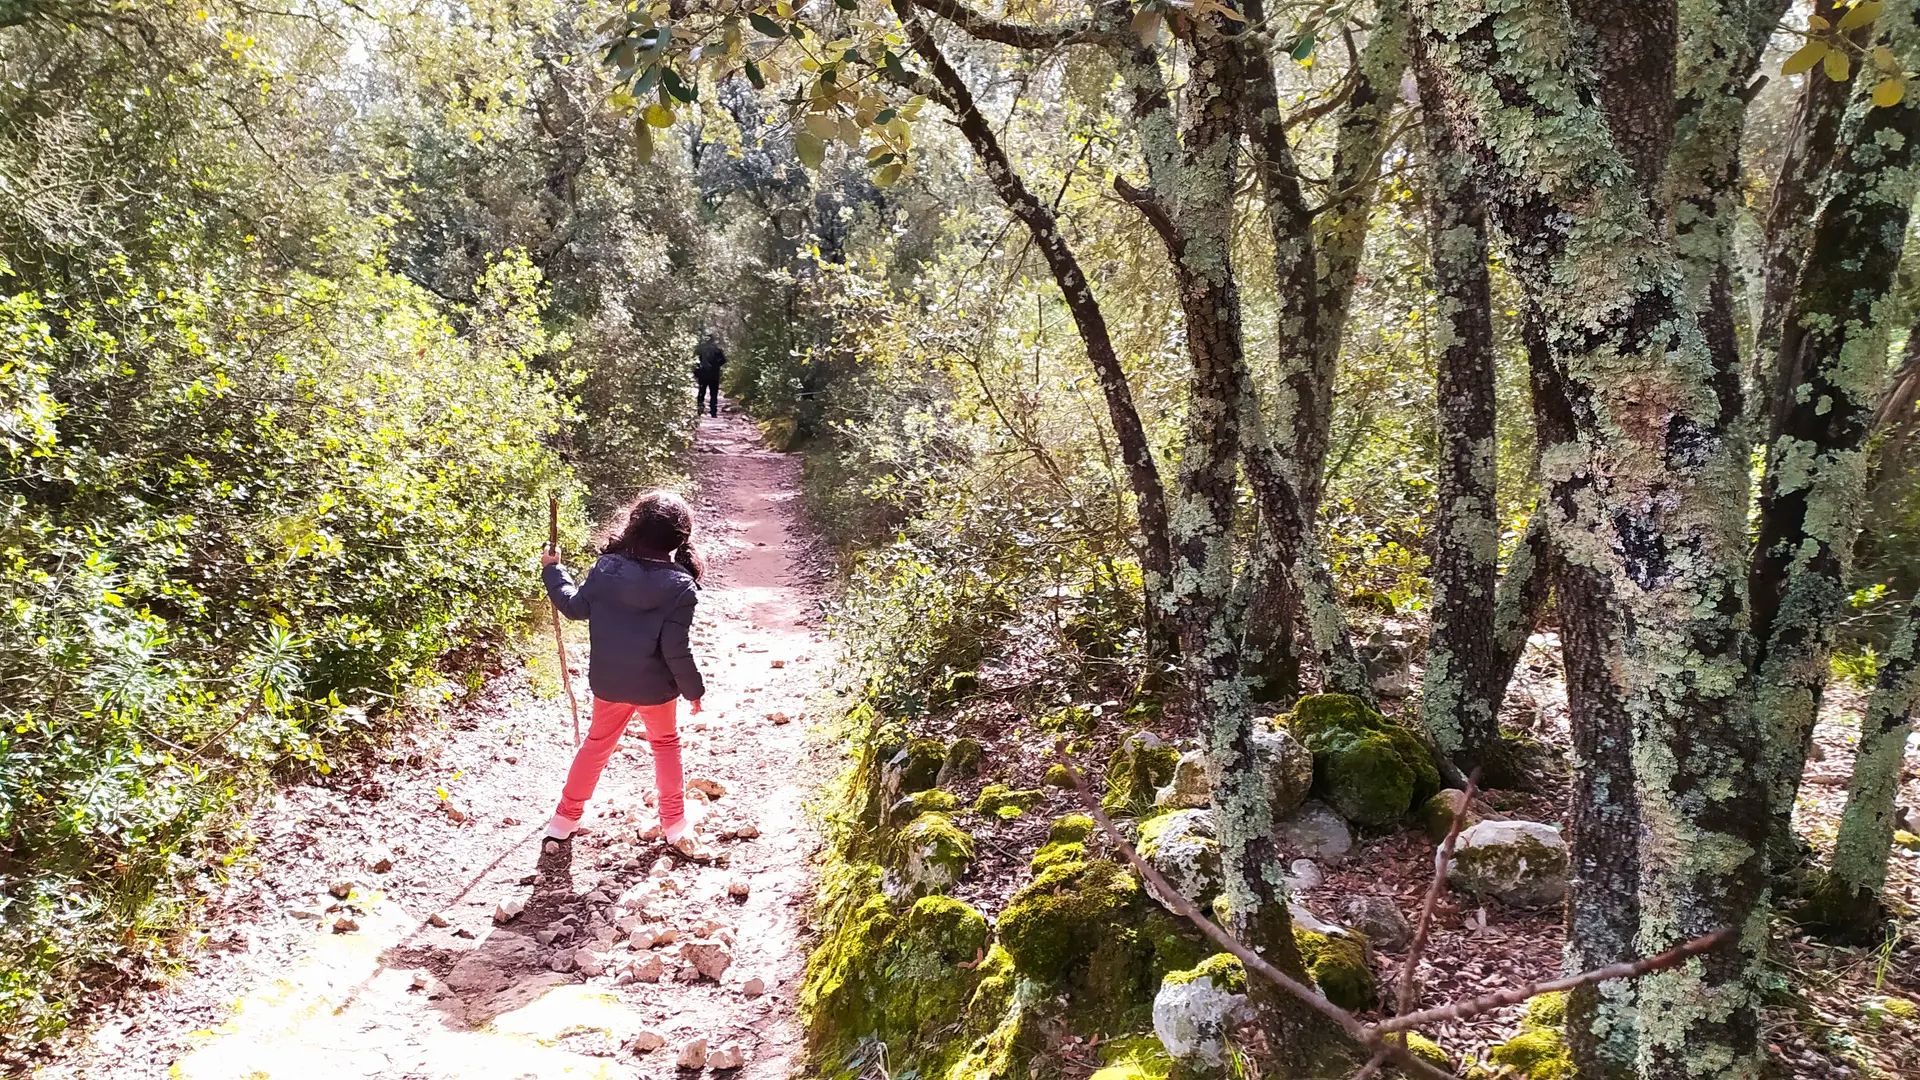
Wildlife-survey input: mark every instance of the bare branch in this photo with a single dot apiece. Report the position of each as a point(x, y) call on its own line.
point(1441, 857)
point(1372, 1067)
point(1460, 1010)
point(1016, 34)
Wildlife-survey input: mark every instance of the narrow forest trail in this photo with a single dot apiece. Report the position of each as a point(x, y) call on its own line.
point(411, 975)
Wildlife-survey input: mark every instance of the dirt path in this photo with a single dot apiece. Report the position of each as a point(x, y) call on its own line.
point(370, 941)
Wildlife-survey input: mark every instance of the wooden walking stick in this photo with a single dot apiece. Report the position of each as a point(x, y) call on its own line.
point(560, 641)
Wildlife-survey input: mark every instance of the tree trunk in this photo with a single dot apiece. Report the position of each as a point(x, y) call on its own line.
point(1651, 492)
point(1833, 354)
point(1461, 687)
point(1191, 207)
point(1341, 232)
point(1790, 214)
point(1521, 597)
point(1314, 265)
point(1150, 505)
point(1847, 903)
point(1603, 818)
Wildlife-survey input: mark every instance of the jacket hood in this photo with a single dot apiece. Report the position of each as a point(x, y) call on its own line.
point(643, 584)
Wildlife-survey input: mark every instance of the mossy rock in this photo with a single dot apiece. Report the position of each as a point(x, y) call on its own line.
point(1196, 1010)
point(1435, 816)
point(913, 768)
point(1538, 1054)
point(931, 855)
point(962, 762)
point(1181, 845)
point(1054, 854)
point(930, 801)
point(996, 798)
point(1053, 924)
point(1071, 829)
point(903, 979)
point(1136, 771)
point(1057, 777)
point(1369, 768)
point(1339, 967)
point(1906, 841)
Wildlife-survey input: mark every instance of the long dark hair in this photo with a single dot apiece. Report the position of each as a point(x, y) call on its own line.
point(657, 525)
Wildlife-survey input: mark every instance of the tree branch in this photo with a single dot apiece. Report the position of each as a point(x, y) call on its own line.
point(1019, 35)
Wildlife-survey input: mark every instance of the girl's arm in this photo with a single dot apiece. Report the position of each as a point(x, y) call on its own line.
point(677, 651)
point(570, 599)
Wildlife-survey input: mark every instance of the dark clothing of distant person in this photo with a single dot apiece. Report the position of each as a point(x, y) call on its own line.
point(706, 372)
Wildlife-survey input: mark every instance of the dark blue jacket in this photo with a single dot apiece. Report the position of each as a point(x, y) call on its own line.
point(638, 614)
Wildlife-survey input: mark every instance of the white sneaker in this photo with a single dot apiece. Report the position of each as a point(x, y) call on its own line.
point(561, 828)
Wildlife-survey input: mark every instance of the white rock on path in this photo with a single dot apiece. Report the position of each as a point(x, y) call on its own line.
point(647, 1042)
point(508, 910)
point(710, 958)
point(693, 1055)
point(730, 1056)
point(753, 987)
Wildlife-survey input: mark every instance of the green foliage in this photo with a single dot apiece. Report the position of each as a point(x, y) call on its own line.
point(290, 358)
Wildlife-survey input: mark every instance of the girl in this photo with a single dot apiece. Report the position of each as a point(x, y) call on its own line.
point(638, 601)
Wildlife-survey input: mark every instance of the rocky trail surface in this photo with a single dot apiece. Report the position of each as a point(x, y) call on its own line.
point(408, 923)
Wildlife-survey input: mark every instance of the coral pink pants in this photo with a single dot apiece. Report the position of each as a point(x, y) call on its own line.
point(610, 719)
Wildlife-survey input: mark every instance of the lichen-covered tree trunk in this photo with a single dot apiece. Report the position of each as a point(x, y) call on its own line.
point(1651, 497)
point(1191, 207)
point(1603, 817)
point(1847, 902)
point(1720, 45)
point(1834, 355)
point(1458, 691)
point(1521, 597)
point(1286, 536)
point(1315, 260)
point(1150, 503)
point(1811, 139)
point(1340, 237)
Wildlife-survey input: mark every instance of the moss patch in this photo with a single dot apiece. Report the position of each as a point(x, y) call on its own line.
point(995, 798)
point(1051, 855)
point(1339, 967)
point(1133, 1057)
point(1539, 1054)
point(1054, 923)
point(1371, 769)
point(931, 854)
point(1057, 778)
point(1224, 969)
point(900, 978)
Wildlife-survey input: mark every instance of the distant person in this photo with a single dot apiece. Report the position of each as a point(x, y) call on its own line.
point(709, 359)
point(638, 601)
